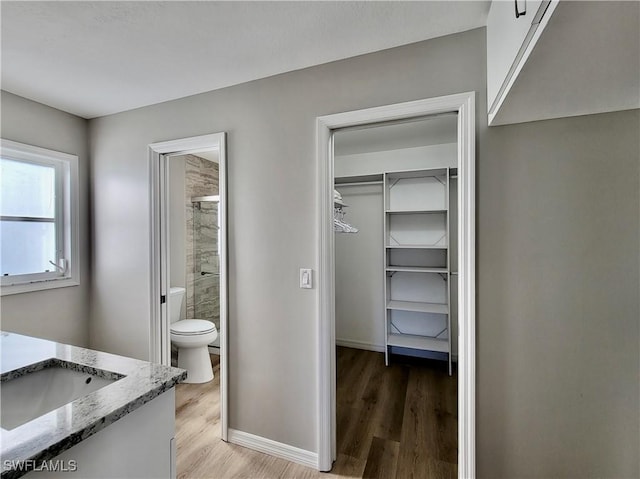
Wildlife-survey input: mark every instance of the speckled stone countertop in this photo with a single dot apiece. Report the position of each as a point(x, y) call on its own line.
point(49, 435)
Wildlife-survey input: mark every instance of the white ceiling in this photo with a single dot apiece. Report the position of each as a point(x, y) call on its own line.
point(94, 58)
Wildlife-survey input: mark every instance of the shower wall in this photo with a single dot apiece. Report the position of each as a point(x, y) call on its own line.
point(206, 304)
point(203, 291)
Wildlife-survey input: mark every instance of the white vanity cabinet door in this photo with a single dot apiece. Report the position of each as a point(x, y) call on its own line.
point(137, 446)
point(506, 34)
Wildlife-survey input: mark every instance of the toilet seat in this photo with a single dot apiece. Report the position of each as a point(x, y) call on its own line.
point(192, 327)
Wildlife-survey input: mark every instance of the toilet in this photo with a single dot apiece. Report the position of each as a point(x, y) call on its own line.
point(191, 337)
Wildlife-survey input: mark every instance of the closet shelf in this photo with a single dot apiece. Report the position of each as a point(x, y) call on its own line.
point(417, 236)
point(418, 307)
point(415, 212)
point(416, 269)
point(418, 342)
point(416, 246)
point(340, 180)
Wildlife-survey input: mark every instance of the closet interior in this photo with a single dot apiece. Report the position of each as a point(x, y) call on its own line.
point(396, 272)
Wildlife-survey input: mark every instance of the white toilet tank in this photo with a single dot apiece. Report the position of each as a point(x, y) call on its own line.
point(176, 297)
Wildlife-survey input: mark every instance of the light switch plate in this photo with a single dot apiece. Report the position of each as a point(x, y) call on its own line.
point(306, 278)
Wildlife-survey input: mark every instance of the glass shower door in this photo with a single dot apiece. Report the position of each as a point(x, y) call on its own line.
point(206, 260)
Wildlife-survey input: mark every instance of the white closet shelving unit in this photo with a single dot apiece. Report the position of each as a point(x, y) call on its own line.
point(417, 263)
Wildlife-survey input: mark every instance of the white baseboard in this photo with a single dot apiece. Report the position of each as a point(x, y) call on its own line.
point(349, 343)
point(273, 448)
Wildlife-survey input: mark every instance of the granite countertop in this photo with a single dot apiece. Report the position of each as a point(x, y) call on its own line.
point(49, 435)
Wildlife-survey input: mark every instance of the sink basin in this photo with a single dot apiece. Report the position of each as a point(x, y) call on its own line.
point(47, 386)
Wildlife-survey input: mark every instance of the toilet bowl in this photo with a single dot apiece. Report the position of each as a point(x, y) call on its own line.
point(191, 337)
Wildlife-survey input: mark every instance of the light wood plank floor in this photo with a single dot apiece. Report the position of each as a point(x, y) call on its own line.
point(393, 422)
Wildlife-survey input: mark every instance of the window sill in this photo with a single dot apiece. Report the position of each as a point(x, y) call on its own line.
point(38, 286)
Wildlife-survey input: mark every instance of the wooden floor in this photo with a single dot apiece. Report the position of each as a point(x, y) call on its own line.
point(393, 422)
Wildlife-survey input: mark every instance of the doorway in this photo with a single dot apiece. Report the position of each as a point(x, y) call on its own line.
point(463, 106)
point(188, 188)
point(396, 296)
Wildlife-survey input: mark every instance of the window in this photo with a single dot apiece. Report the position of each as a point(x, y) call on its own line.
point(38, 218)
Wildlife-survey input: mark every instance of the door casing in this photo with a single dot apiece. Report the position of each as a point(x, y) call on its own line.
point(464, 105)
point(159, 340)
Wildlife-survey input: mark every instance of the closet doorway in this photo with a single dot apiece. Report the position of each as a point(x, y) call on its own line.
point(189, 253)
point(408, 172)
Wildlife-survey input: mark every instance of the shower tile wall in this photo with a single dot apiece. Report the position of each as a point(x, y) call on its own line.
point(206, 302)
point(203, 291)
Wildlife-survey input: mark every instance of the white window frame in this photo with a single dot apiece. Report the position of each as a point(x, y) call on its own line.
point(67, 236)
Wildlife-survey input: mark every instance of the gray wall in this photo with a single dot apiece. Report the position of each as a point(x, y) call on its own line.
point(558, 284)
point(558, 276)
point(272, 214)
point(359, 282)
point(60, 314)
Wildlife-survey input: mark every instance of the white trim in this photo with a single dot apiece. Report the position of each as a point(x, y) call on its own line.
point(159, 335)
point(327, 450)
point(164, 262)
point(53, 283)
point(273, 448)
point(224, 285)
point(466, 290)
point(155, 311)
point(348, 343)
point(464, 105)
point(67, 218)
point(185, 146)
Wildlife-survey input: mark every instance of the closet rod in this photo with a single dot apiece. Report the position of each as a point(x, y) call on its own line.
point(359, 183)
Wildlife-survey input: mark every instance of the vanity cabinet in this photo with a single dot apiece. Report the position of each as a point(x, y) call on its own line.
point(140, 445)
point(123, 428)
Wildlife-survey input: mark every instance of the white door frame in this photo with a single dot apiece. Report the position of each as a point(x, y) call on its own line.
point(160, 343)
point(464, 105)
